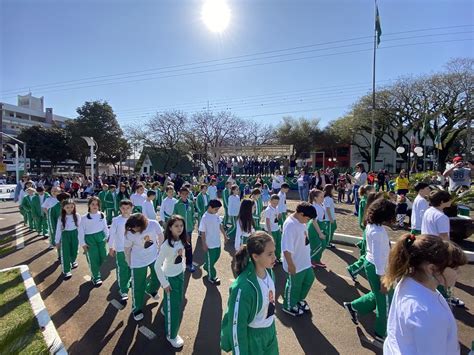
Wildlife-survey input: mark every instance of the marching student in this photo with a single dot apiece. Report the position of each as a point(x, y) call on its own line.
point(202, 201)
point(26, 206)
point(39, 216)
point(52, 208)
point(169, 267)
point(212, 189)
point(117, 249)
point(184, 207)
point(380, 212)
point(143, 238)
point(211, 228)
point(282, 203)
point(317, 229)
point(297, 259)
point(66, 237)
point(148, 208)
point(257, 211)
point(330, 214)
point(265, 195)
point(167, 206)
point(93, 233)
point(225, 201)
point(156, 186)
point(248, 326)
point(420, 205)
point(138, 198)
point(101, 195)
point(271, 224)
point(233, 208)
point(420, 321)
point(122, 194)
point(111, 205)
point(245, 223)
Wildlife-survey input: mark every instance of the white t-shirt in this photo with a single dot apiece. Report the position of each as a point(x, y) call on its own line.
point(277, 180)
point(360, 178)
point(167, 208)
point(144, 245)
point(295, 241)
point(329, 203)
point(95, 224)
point(170, 262)
point(320, 212)
point(117, 233)
point(212, 191)
point(138, 200)
point(233, 206)
point(50, 202)
point(282, 202)
point(434, 222)
point(211, 225)
point(378, 247)
point(70, 226)
point(267, 288)
point(149, 210)
point(420, 205)
point(240, 235)
point(272, 214)
point(420, 322)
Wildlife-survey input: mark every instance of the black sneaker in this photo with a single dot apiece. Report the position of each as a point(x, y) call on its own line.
point(352, 312)
point(138, 315)
point(455, 302)
point(215, 281)
point(97, 283)
point(74, 265)
point(303, 305)
point(353, 277)
point(295, 311)
point(331, 245)
point(67, 276)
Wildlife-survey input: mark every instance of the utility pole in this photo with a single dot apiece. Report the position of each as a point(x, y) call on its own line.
point(372, 135)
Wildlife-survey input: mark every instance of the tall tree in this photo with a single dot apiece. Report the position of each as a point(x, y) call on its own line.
point(303, 133)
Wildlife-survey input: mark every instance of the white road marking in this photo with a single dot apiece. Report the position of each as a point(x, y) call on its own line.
point(20, 240)
point(116, 304)
point(147, 332)
point(346, 250)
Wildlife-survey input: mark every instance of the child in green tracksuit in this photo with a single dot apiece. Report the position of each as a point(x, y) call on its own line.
point(116, 248)
point(257, 213)
point(297, 259)
point(271, 224)
point(143, 238)
point(101, 195)
point(93, 233)
point(225, 201)
point(202, 201)
point(184, 208)
point(159, 195)
point(110, 201)
point(169, 267)
point(245, 223)
point(282, 203)
point(26, 206)
point(233, 208)
point(52, 208)
point(39, 216)
point(248, 326)
point(66, 237)
point(317, 229)
point(330, 214)
point(122, 194)
point(210, 228)
point(380, 212)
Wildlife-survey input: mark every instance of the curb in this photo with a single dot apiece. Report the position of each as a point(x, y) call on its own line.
point(353, 240)
point(50, 334)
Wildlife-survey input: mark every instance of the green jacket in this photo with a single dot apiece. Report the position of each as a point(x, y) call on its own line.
point(258, 209)
point(110, 200)
point(53, 215)
point(225, 197)
point(26, 203)
point(201, 205)
point(360, 216)
point(158, 199)
point(187, 212)
point(36, 205)
point(102, 199)
point(245, 301)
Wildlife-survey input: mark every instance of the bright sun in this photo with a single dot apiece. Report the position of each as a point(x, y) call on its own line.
point(216, 15)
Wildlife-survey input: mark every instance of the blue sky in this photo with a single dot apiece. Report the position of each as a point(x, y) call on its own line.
point(56, 41)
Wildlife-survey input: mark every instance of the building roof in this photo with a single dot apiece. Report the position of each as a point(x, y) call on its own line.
point(28, 111)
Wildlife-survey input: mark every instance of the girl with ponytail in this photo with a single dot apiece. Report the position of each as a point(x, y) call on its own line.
point(248, 326)
point(420, 320)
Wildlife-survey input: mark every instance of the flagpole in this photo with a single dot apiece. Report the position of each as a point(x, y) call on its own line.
point(372, 135)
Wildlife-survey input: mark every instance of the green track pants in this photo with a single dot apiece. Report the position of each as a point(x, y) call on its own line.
point(317, 244)
point(96, 254)
point(69, 246)
point(142, 283)
point(123, 272)
point(41, 225)
point(357, 267)
point(277, 238)
point(263, 340)
point(297, 287)
point(212, 255)
point(172, 305)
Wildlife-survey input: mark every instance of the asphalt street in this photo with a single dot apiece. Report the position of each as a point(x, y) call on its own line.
point(92, 320)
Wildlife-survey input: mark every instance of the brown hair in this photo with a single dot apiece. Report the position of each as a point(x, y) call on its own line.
point(245, 217)
point(89, 203)
point(410, 252)
point(437, 197)
point(380, 211)
point(371, 197)
point(63, 212)
point(313, 194)
point(328, 190)
point(136, 220)
point(255, 245)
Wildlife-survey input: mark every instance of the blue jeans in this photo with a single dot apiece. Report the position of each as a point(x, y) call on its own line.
point(303, 192)
point(355, 191)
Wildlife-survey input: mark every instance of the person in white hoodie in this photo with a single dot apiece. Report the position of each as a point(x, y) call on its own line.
point(167, 205)
point(170, 268)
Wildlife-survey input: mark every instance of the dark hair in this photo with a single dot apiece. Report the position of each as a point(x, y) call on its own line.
point(121, 195)
point(421, 185)
point(202, 186)
point(112, 186)
point(410, 252)
point(215, 204)
point(136, 220)
point(274, 197)
point(151, 193)
point(380, 211)
point(437, 197)
point(285, 186)
point(361, 166)
point(40, 189)
point(63, 196)
point(125, 203)
point(255, 245)
point(139, 185)
point(313, 194)
point(257, 185)
point(169, 236)
point(245, 217)
point(63, 212)
point(169, 187)
point(306, 209)
point(89, 203)
point(328, 190)
point(256, 192)
point(183, 189)
point(234, 187)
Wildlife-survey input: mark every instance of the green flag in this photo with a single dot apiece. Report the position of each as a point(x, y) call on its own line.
point(378, 27)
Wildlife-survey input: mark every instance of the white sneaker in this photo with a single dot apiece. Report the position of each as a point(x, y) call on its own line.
point(177, 342)
point(124, 296)
point(138, 316)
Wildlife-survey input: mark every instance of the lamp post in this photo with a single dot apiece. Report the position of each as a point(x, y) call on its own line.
point(410, 153)
point(93, 147)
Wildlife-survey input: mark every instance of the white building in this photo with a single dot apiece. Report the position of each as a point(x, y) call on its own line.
point(29, 112)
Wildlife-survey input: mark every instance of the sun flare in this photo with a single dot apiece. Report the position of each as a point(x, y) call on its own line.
point(216, 15)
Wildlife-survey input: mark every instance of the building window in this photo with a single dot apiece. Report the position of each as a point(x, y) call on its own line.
point(19, 116)
point(11, 114)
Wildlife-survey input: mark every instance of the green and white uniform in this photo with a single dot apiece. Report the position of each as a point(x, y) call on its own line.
point(116, 242)
point(257, 213)
point(39, 217)
point(378, 249)
point(225, 202)
point(329, 204)
point(202, 201)
point(93, 232)
point(158, 199)
point(233, 209)
point(248, 326)
point(111, 205)
point(26, 206)
point(241, 236)
point(143, 249)
point(281, 208)
point(296, 242)
point(358, 266)
point(67, 235)
point(101, 197)
point(271, 214)
point(138, 201)
point(53, 208)
point(169, 267)
point(167, 208)
point(211, 225)
point(317, 245)
point(186, 210)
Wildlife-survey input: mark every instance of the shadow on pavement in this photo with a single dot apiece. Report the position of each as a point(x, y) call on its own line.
point(65, 313)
